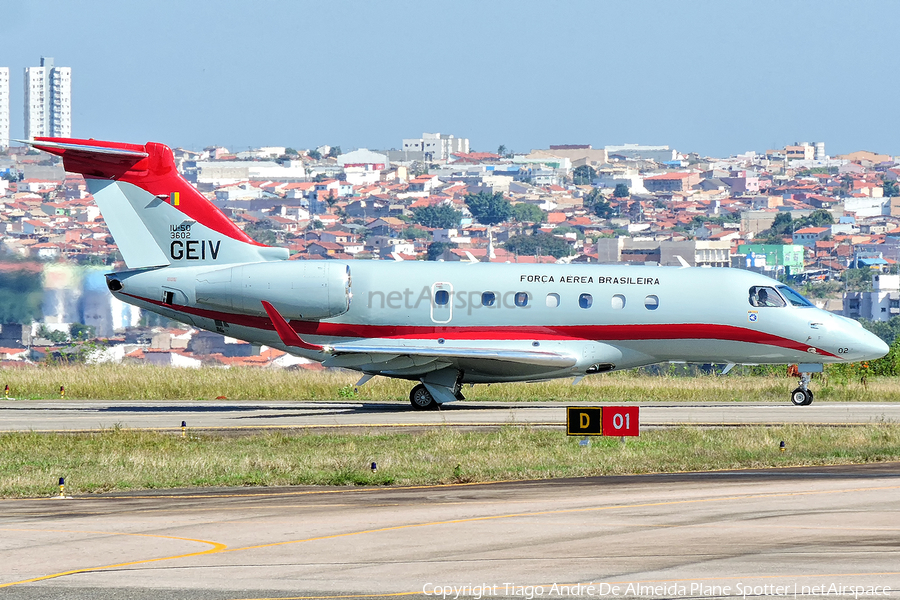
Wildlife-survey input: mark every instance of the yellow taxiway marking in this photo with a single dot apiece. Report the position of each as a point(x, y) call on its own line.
point(222, 548)
point(216, 547)
point(560, 512)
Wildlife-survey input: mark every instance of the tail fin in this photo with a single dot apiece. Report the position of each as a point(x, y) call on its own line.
point(155, 216)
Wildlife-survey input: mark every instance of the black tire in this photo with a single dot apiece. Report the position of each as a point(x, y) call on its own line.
point(421, 398)
point(809, 398)
point(799, 397)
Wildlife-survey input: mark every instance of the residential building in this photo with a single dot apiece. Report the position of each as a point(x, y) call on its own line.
point(48, 100)
point(697, 253)
point(742, 182)
point(436, 146)
point(578, 154)
point(777, 255)
point(808, 236)
point(882, 303)
point(363, 166)
point(4, 108)
point(671, 182)
point(800, 152)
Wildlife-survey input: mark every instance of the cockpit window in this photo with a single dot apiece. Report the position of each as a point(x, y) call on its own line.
point(793, 297)
point(765, 296)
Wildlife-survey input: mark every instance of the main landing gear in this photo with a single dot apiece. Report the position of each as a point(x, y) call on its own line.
point(421, 398)
point(802, 396)
point(436, 388)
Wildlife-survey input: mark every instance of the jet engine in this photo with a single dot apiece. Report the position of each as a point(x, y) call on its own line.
point(299, 290)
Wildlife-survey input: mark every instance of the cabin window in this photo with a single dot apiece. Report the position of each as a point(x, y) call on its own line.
point(552, 300)
point(765, 296)
point(585, 300)
point(651, 302)
point(521, 298)
point(488, 298)
point(618, 301)
point(441, 297)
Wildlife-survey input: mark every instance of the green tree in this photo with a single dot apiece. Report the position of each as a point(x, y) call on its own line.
point(783, 224)
point(889, 364)
point(314, 154)
point(523, 212)
point(621, 191)
point(597, 203)
point(436, 249)
point(888, 331)
point(80, 332)
point(261, 231)
point(439, 217)
point(55, 336)
point(501, 150)
point(817, 218)
point(891, 188)
point(583, 175)
point(539, 243)
point(488, 208)
point(414, 233)
point(334, 152)
point(858, 280)
point(290, 152)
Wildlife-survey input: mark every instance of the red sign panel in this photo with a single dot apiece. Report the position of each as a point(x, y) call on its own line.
point(621, 420)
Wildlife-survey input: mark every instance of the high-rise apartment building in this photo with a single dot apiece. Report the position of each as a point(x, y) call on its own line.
point(4, 108)
point(48, 100)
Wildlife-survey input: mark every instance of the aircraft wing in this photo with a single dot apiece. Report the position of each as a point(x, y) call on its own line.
point(349, 355)
point(380, 353)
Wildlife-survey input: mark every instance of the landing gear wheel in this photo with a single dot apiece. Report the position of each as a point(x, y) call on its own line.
point(801, 397)
point(421, 398)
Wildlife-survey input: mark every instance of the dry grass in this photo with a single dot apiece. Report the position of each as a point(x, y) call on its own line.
point(127, 460)
point(133, 382)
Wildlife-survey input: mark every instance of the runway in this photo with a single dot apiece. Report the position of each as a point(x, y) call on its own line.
point(71, 415)
point(727, 534)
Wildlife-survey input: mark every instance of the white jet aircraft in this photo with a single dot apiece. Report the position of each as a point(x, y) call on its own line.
point(441, 324)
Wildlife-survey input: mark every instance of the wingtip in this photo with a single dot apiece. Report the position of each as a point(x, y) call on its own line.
point(285, 332)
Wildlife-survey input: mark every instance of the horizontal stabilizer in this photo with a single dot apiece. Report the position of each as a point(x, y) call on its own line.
point(60, 148)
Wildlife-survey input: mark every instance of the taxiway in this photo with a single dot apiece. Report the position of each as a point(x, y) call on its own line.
point(653, 536)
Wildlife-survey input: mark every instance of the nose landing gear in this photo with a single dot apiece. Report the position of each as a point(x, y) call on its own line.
point(803, 396)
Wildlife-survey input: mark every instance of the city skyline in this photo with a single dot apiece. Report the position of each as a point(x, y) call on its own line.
point(48, 100)
point(707, 78)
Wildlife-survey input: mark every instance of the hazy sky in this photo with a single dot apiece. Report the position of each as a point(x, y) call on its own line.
point(712, 77)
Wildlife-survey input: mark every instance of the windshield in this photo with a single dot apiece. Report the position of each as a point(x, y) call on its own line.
point(793, 297)
point(765, 296)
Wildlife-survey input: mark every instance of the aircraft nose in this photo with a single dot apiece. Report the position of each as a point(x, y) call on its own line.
point(871, 346)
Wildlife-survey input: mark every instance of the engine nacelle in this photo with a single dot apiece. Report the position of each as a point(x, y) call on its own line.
point(297, 289)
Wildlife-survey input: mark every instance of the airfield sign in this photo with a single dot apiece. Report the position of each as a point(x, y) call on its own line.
point(603, 420)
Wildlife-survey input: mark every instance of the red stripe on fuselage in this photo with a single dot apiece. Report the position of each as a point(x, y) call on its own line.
point(597, 333)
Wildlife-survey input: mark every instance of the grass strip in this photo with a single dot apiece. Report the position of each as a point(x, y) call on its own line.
point(118, 460)
point(145, 382)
